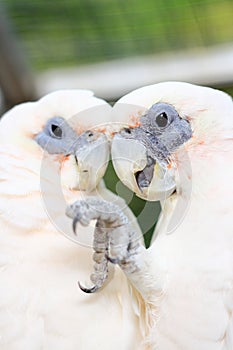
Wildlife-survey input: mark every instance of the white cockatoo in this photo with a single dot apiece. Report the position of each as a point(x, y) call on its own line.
point(178, 148)
point(45, 165)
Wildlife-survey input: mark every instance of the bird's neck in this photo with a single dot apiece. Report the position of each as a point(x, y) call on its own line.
point(204, 184)
point(206, 173)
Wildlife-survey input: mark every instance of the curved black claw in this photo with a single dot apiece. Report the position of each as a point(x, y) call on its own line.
point(74, 224)
point(88, 290)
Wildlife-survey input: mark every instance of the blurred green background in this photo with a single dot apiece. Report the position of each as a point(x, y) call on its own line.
point(70, 33)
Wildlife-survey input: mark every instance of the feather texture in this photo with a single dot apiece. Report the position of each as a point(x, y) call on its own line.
point(186, 276)
point(41, 306)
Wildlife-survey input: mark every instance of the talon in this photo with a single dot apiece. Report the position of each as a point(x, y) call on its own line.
point(75, 221)
point(88, 290)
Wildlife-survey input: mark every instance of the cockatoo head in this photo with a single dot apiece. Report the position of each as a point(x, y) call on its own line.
point(168, 123)
point(63, 128)
point(50, 150)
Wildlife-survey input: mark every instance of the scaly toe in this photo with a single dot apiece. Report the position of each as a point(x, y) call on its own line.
point(112, 260)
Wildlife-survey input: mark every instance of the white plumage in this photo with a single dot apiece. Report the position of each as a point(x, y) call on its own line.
point(186, 277)
point(41, 306)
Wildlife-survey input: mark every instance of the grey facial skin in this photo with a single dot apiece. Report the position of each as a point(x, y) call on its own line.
point(162, 131)
point(58, 137)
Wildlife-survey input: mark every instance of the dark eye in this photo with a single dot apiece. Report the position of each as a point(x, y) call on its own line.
point(90, 134)
point(127, 130)
point(161, 120)
point(56, 131)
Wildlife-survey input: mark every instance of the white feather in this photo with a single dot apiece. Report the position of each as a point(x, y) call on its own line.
point(41, 306)
point(186, 277)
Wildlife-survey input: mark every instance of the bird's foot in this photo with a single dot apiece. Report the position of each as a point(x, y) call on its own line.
point(114, 239)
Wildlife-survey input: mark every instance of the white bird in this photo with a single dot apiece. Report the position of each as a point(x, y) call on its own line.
point(44, 165)
point(187, 275)
point(180, 151)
